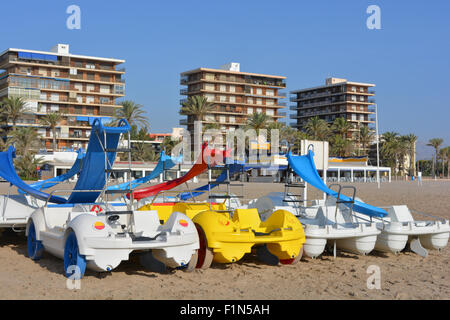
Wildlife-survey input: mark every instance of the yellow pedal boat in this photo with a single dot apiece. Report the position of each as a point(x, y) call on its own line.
point(224, 240)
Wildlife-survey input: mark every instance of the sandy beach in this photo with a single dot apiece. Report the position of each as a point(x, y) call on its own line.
point(406, 276)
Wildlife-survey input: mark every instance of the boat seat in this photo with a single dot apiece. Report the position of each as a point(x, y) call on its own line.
point(247, 218)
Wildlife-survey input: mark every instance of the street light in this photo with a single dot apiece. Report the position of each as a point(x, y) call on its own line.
point(378, 149)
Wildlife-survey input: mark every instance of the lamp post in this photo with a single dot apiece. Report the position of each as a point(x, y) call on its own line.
point(378, 149)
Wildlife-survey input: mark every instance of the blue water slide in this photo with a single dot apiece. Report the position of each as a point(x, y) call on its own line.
point(92, 176)
point(8, 173)
point(233, 168)
point(165, 162)
point(305, 168)
point(45, 184)
point(103, 140)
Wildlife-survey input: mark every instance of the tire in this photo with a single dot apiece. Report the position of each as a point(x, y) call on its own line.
point(192, 263)
point(294, 260)
point(34, 247)
point(205, 254)
point(73, 261)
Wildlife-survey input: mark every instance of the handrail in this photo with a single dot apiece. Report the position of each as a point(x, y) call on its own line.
point(443, 220)
point(77, 191)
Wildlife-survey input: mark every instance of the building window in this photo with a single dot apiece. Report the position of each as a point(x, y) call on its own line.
point(232, 99)
point(223, 88)
point(105, 89)
point(223, 98)
point(258, 110)
point(269, 92)
point(269, 112)
point(259, 91)
point(232, 88)
point(209, 97)
point(103, 100)
point(249, 110)
point(258, 101)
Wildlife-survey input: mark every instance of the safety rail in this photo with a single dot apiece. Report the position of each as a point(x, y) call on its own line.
point(227, 195)
point(53, 192)
point(177, 192)
point(339, 200)
point(422, 213)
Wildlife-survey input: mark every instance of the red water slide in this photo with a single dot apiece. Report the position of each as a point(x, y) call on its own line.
point(208, 155)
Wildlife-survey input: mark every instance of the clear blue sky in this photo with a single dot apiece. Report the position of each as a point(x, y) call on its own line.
point(306, 41)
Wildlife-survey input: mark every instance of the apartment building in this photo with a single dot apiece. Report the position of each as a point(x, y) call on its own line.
point(79, 87)
point(337, 98)
point(236, 95)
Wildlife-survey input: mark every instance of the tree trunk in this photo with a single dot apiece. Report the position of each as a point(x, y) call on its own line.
point(54, 139)
point(448, 168)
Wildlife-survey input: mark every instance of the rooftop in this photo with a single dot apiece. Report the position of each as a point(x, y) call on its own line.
point(333, 82)
point(62, 50)
point(231, 72)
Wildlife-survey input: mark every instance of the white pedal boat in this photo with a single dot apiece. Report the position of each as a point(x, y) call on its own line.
point(100, 236)
point(399, 228)
point(15, 210)
point(322, 224)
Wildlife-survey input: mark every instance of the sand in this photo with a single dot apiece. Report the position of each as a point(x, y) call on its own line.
point(406, 276)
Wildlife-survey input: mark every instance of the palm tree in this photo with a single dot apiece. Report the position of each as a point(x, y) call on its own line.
point(197, 106)
point(133, 113)
point(168, 144)
point(24, 139)
point(443, 154)
point(52, 120)
point(317, 129)
point(341, 126)
point(13, 109)
point(389, 148)
point(366, 136)
point(257, 121)
point(435, 143)
point(410, 140)
point(341, 147)
point(448, 161)
point(27, 166)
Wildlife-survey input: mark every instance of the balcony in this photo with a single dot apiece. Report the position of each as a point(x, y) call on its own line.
point(183, 122)
point(183, 101)
point(281, 104)
point(293, 99)
point(281, 114)
point(184, 80)
point(121, 70)
point(371, 100)
point(183, 92)
point(293, 108)
point(281, 94)
point(371, 92)
point(293, 116)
